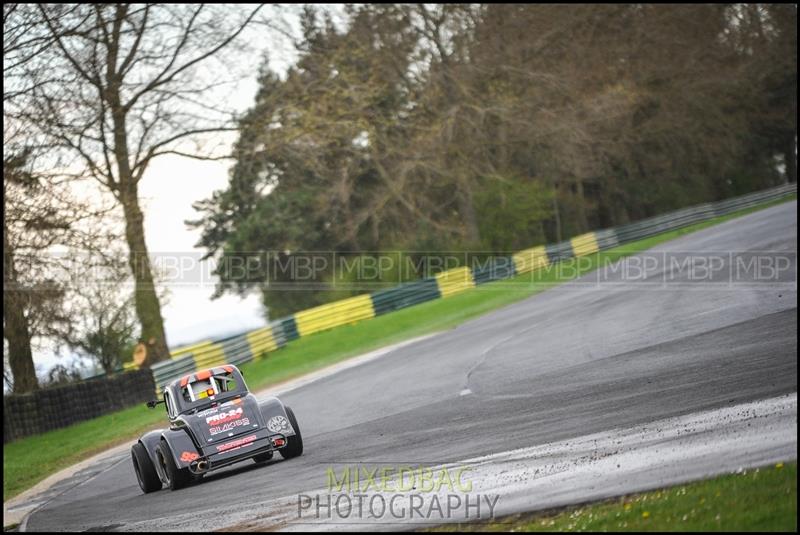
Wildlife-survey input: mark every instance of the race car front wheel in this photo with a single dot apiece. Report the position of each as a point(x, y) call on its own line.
point(145, 471)
point(177, 478)
point(294, 445)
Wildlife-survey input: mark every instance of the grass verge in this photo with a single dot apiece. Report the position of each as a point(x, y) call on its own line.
point(28, 461)
point(762, 499)
point(313, 352)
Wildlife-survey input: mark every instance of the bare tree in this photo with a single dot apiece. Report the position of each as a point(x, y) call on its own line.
point(102, 309)
point(43, 224)
point(15, 324)
point(125, 84)
point(37, 214)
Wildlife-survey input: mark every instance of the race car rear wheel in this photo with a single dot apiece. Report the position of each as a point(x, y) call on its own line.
point(294, 445)
point(177, 478)
point(145, 471)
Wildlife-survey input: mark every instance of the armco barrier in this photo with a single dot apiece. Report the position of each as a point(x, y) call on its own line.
point(254, 344)
point(606, 239)
point(530, 259)
point(495, 268)
point(454, 281)
point(342, 312)
point(404, 295)
point(585, 244)
point(185, 350)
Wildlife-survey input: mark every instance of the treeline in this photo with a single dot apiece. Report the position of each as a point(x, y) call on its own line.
point(498, 127)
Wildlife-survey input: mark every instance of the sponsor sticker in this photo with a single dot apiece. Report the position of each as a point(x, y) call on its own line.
point(236, 444)
point(225, 416)
point(206, 412)
point(277, 424)
point(229, 426)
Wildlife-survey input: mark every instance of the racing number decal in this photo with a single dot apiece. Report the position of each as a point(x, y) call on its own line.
point(188, 456)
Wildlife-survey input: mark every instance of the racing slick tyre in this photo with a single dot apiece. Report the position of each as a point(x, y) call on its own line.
point(294, 445)
point(262, 457)
point(177, 478)
point(145, 471)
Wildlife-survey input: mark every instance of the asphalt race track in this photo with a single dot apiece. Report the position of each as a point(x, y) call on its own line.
point(581, 358)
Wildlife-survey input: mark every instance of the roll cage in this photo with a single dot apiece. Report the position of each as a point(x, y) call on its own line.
point(204, 388)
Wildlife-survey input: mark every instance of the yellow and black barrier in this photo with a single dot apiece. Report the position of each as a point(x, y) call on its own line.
point(255, 344)
point(324, 317)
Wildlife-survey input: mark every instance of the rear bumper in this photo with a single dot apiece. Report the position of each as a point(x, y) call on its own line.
point(236, 450)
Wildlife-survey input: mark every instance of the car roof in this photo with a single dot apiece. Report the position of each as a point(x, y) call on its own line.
point(203, 374)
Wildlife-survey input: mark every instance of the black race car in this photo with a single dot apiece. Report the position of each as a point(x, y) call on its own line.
point(214, 421)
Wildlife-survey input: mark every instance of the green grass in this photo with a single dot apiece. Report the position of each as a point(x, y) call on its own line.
point(27, 461)
point(313, 352)
point(764, 499)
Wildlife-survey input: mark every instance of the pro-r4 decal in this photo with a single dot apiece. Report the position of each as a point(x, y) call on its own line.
point(226, 416)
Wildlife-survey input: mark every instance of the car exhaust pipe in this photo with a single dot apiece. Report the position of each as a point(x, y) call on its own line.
point(199, 466)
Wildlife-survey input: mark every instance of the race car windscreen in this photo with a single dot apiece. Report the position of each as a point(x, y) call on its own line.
point(216, 387)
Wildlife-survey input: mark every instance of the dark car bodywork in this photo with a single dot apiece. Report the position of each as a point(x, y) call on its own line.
point(216, 430)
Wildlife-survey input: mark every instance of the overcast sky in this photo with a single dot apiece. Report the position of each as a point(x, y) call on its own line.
point(167, 191)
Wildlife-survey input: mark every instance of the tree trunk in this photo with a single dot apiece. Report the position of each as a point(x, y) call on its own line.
point(15, 326)
point(502, 153)
point(790, 156)
point(556, 212)
point(148, 309)
point(583, 221)
point(107, 362)
point(466, 208)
